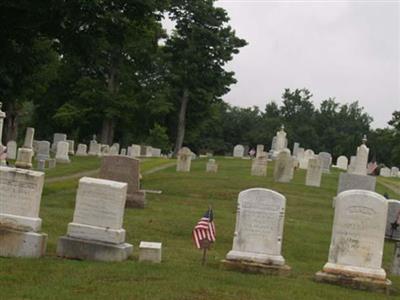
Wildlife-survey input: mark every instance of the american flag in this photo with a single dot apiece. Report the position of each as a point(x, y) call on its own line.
point(204, 230)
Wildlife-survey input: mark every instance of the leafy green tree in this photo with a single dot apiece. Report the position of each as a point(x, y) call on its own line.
point(197, 51)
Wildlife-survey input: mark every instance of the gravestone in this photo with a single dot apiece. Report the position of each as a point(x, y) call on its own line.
point(393, 220)
point(314, 172)
point(43, 152)
point(326, 161)
point(11, 150)
point(82, 150)
point(396, 260)
point(96, 231)
point(150, 252)
point(2, 117)
point(394, 172)
point(123, 151)
point(281, 141)
point(35, 147)
point(259, 150)
point(385, 172)
point(296, 147)
point(342, 162)
point(259, 165)
point(58, 137)
point(135, 151)
point(20, 225)
point(356, 182)
point(125, 169)
point(307, 155)
point(361, 161)
point(41, 165)
point(273, 145)
point(283, 171)
point(355, 253)
point(114, 149)
point(51, 163)
point(257, 241)
point(184, 160)
point(94, 147)
point(71, 147)
point(156, 152)
point(352, 165)
point(25, 154)
point(62, 153)
point(238, 151)
point(300, 154)
point(211, 166)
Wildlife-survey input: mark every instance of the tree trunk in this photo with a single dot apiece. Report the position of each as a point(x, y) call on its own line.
point(107, 131)
point(180, 134)
point(11, 124)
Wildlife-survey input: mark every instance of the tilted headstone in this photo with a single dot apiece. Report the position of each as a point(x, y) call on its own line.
point(82, 150)
point(96, 231)
point(326, 161)
point(20, 225)
point(393, 220)
point(58, 137)
point(342, 162)
point(25, 154)
point(184, 160)
point(71, 147)
point(125, 169)
point(385, 172)
point(314, 172)
point(259, 229)
point(238, 151)
point(62, 153)
point(12, 150)
point(259, 165)
point(43, 152)
point(283, 171)
point(357, 241)
point(211, 166)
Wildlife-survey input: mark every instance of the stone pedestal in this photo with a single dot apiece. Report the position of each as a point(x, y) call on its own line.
point(75, 248)
point(24, 158)
point(252, 267)
point(15, 243)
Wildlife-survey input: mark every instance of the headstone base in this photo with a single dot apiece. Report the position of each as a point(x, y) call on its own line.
point(251, 267)
point(361, 283)
point(136, 200)
point(63, 160)
point(15, 243)
point(73, 248)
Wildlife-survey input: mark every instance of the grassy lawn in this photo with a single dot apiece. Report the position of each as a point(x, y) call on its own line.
point(170, 218)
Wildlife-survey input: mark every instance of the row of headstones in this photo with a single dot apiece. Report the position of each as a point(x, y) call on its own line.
point(96, 230)
point(356, 250)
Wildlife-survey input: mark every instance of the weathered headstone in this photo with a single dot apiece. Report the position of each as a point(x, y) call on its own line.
point(295, 148)
point(342, 162)
point(304, 161)
point(123, 151)
point(114, 149)
point(281, 141)
point(393, 220)
point(20, 225)
point(94, 147)
point(360, 166)
point(283, 171)
point(82, 150)
point(96, 231)
point(355, 253)
point(43, 152)
point(184, 160)
point(125, 169)
point(238, 151)
point(58, 137)
point(326, 161)
point(259, 150)
point(62, 153)
point(51, 163)
point(394, 172)
point(356, 182)
point(71, 147)
point(396, 260)
point(352, 164)
point(385, 172)
point(12, 150)
point(257, 241)
point(150, 251)
point(41, 165)
point(259, 165)
point(134, 151)
point(314, 172)
point(155, 152)
point(211, 166)
point(24, 157)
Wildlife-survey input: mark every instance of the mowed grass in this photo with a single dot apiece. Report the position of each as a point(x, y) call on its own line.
point(170, 218)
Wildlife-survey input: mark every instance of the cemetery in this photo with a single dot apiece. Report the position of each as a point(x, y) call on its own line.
point(138, 162)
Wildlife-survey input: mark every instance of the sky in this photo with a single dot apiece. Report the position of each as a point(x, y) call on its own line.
point(349, 50)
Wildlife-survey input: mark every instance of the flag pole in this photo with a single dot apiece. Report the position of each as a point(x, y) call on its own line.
point(205, 244)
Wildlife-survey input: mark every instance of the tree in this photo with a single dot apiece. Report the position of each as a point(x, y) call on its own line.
point(197, 51)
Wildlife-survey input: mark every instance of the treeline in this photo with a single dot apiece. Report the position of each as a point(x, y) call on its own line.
point(109, 68)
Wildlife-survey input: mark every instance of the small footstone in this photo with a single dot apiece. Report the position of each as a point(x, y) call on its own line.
point(74, 248)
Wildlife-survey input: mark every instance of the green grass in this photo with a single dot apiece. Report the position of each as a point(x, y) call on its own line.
point(170, 218)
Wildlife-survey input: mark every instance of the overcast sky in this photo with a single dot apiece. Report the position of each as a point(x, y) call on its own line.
point(344, 49)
